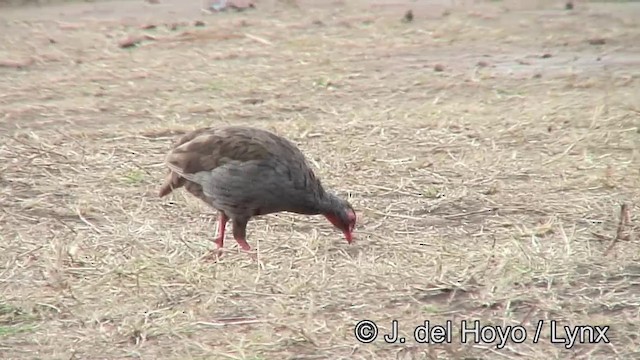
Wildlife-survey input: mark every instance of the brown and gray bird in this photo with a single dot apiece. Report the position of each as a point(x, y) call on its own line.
point(244, 172)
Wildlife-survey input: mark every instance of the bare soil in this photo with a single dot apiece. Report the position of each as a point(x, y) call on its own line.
point(491, 150)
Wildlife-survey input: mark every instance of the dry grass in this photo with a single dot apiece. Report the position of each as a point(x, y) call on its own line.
point(489, 190)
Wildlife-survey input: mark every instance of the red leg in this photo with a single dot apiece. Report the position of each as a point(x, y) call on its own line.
point(222, 223)
point(219, 241)
point(243, 244)
point(245, 247)
point(240, 234)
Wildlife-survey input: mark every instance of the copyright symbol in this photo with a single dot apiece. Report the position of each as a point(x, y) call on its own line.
point(366, 331)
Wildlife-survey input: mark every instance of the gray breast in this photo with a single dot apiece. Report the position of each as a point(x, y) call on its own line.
point(244, 189)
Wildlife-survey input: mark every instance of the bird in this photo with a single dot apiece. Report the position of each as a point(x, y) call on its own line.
point(244, 172)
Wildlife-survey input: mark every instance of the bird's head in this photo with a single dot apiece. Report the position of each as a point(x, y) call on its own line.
point(343, 217)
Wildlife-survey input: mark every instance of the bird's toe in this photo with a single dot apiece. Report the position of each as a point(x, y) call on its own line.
point(253, 255)
point(213, 255)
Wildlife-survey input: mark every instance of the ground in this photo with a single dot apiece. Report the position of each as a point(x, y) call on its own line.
point(490, 149)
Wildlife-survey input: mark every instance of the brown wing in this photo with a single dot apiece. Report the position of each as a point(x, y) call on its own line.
point(208, 148)
point(244, 170)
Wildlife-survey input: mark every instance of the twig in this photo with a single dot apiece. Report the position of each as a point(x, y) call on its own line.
point(36, 148)
point(564, 153)
point(602, 236)
point(223, 322)
point(57, 218)
point(259, 39)
point(140, 167)
point(87, 222)
point(621, 234)
point(184, 242)
point(455, 216)
point(395, 215)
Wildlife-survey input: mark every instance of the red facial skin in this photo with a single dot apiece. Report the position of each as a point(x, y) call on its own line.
point(347, 229)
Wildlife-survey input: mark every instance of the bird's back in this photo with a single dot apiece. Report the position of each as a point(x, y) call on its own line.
point(243, 171)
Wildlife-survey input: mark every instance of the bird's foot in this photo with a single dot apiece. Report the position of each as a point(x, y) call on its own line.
point(242, 243)
point(213, 254)
point(253, 255)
